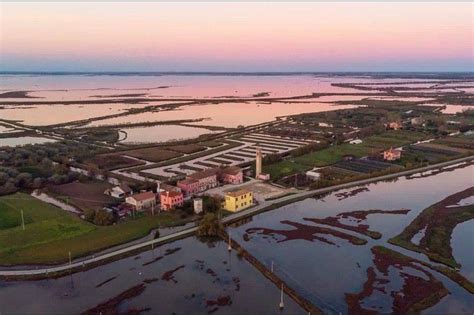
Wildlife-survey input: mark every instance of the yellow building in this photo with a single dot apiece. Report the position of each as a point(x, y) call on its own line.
point(238, 200)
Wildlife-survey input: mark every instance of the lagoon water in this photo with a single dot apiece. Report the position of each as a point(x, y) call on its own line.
point(324, 273)
point(321, 272)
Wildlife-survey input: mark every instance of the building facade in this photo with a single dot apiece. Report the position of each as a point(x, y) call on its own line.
point(231, 175)
point(238, 200)
point(142, 201)
point(171, 199)
point(392, 154)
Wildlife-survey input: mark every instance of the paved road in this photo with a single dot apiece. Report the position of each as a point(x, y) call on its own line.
point(229, 219)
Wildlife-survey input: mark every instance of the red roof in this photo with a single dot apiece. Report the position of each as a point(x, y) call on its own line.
point(144, 196)
point(188, 181)
point(232, 170)
point(204, 174)
point(172, 193)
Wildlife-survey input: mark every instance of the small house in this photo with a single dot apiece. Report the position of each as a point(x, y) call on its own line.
point(232, 175)
point(171, 199)
point(395, 125)
point(263, 176)
point(313, 175)
point(142, 201)
point(198, 205)
point(392, 154)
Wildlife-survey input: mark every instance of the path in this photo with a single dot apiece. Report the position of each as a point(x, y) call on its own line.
point(227, 220)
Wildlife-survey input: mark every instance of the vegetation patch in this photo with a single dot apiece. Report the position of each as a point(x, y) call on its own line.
point(439, 221)
point(111, 162)
point(417, 293)
point(358, 217)
point(153, 154)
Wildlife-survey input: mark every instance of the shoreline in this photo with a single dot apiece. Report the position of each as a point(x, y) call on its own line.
point(62, 269)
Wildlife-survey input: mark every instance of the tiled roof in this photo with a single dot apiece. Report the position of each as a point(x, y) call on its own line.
point(172, 193)
point(237, 193)
point(144, 196)
point(204, 174)
point(232, 170)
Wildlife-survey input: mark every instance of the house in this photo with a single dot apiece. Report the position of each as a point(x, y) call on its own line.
point(231, 175)
point(198, 205)
point(171, 199)
point(166, 187)
point(392, 154)
point(355, 141)
point(417, 121)
point(199, 181)
point(313, 175)
point(394, 125)
point(120, 191)
point(238, 200)
point(142, 201)
point(263, 176)
point(189, 186)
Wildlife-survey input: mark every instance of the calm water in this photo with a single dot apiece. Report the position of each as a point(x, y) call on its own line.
point(162, 133)
point(325, 272)
point(202, 274)
point(12, 142)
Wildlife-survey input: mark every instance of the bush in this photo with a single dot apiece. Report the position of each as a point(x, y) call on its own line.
point(209, 226)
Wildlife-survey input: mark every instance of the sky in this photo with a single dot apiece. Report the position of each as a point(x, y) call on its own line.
point(236, 36)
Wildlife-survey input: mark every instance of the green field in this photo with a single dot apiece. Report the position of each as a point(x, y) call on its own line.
point(50, 233)
point(335, 153)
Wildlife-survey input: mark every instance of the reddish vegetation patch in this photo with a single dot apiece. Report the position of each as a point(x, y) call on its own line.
point(306, 232)
point(169, 275)
point(111, 306)
point(439, 221)
point(150, 280)
point(359, 216)
point(351, 193)
point(105, 282)
point(219, 301)
point(236, 281)
point(169, 251)
point(416, 294)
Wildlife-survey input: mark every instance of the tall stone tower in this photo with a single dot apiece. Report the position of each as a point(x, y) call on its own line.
point(258, 162)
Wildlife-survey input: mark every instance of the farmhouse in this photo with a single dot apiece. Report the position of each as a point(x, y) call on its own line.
point(142, 200)
point(171, 199)
point(417, 121)
point(120, 191)
point(392, 154)
point(394, 125)
point(313, 175)
point(238, 200)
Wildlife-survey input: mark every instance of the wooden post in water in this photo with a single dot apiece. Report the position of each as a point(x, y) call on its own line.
point(281, 298)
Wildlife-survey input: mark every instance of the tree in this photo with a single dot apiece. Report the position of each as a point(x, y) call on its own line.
point(209, 225)
point(89, 215)
point(103, 217)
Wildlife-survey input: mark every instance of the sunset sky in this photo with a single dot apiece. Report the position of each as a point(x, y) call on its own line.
point(236, 37)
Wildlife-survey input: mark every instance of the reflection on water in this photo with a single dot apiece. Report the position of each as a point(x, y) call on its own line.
point(325, 273)
point(12, 142)
point(184, 277)
point(162, 133)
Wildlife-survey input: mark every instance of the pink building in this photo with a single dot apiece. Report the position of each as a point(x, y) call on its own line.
point(170, 200)
point(232, 175)
point(392, 154)
point(189, 186)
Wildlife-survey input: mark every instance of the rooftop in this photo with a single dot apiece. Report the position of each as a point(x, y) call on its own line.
point(203, 174)
point(237, 193)
point(232, 170)
point(144, 196)
point(172, 193)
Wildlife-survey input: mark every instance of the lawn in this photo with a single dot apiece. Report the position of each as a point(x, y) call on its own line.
point(284, 168)
point(335, 153)
point(50, 233)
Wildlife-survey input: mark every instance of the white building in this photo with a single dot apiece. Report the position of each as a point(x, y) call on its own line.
point(197, 205)
point(313, 175)
point(142, 200)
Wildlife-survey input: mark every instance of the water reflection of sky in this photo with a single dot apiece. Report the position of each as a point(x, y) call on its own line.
point(325, 271)
point(209, 272)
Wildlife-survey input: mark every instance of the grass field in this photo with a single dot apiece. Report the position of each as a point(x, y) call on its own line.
point(335, 153)
point(50, 233)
